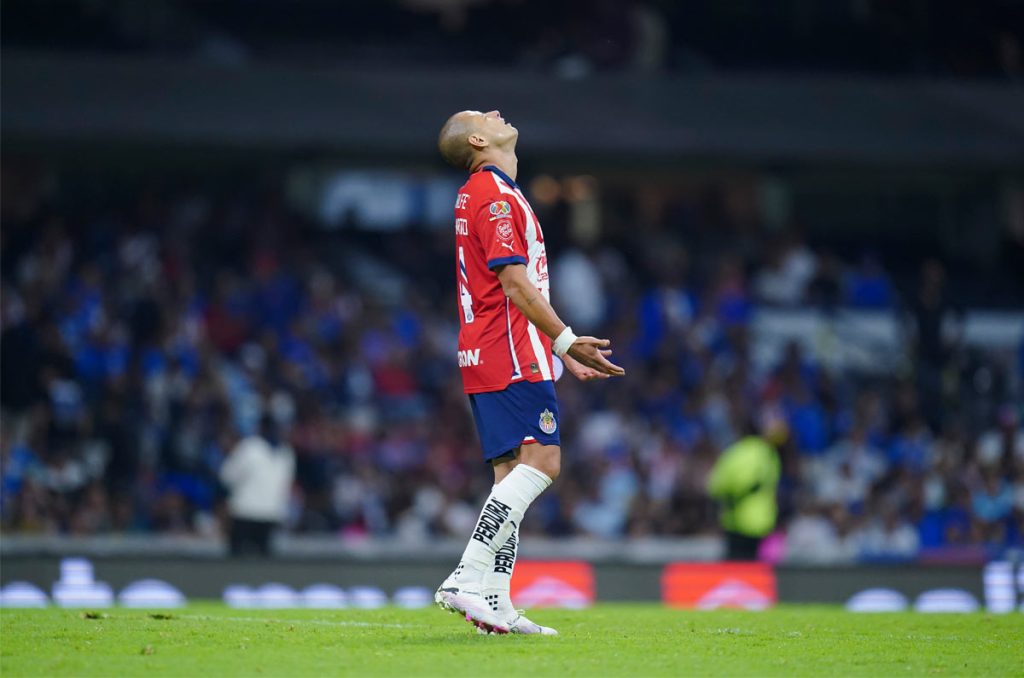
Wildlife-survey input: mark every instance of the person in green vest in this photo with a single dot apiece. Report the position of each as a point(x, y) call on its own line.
point(744, 481)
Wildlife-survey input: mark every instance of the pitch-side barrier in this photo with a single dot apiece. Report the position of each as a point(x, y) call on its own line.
point(170, 581)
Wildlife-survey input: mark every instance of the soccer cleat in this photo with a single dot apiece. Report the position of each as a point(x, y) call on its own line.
point(514, 619)
point(467, 601)
point(520, 624)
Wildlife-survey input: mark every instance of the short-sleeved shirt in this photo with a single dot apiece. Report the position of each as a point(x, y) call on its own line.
point(495, 226)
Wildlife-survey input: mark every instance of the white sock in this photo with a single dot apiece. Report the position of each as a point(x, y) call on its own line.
point(502, 513)
point(497, 586)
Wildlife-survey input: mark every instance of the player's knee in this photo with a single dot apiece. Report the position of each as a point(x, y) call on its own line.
point(552, 466)
point(545, 458)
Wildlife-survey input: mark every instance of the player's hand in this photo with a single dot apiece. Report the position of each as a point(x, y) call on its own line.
point(591, 352)
point(582, 372)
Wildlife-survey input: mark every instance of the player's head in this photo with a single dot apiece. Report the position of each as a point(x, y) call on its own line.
point(468, 134)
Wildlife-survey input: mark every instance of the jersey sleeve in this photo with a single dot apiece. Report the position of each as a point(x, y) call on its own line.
point(502, 232)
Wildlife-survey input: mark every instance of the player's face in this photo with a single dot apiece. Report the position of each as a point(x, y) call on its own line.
point(494, 128)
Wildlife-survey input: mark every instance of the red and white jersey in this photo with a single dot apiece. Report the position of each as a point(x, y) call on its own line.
point(495, 226)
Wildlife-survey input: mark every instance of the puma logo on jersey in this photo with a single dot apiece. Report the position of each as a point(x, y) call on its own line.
point(505, 244)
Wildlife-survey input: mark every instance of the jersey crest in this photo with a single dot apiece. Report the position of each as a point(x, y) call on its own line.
point(547, 422)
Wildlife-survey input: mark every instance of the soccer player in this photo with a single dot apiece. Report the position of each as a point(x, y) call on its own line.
point(507, 334)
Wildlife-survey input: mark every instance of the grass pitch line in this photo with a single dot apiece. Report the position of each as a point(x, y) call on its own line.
point(306, 622)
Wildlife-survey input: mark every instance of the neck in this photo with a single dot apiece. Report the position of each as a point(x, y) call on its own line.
point(506, 161)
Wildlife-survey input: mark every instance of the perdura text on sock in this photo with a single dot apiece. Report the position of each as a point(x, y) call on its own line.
point(505, 558)
point(492, 518)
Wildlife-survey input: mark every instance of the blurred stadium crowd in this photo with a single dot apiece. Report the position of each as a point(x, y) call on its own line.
point(143, 336)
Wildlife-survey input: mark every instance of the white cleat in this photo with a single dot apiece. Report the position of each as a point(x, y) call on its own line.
point(523, 625)
point(514, 619)
point(468, 602)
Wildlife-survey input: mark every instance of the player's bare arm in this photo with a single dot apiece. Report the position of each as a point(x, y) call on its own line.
point(586, 355)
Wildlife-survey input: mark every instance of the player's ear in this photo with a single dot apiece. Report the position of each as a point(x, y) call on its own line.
point(477, 142)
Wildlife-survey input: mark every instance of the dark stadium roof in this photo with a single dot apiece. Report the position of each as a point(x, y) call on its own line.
point(398, 112)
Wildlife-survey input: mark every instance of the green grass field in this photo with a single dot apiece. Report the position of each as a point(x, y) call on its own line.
point(608, 640)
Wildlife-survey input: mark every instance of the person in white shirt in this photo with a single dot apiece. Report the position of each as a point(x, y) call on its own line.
point(258, 474)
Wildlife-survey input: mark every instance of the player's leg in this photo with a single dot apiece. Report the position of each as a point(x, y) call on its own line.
point(503, 511)
point(242, 537)
point(545, 458)
point(505, 419)
point(498, 580)
point(263, 535)
point(502, 466)
point(504, 559)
